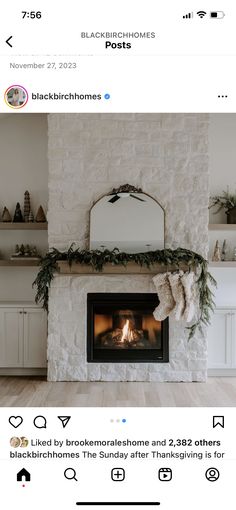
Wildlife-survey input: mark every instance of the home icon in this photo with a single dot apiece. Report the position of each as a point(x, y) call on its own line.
point(23, 475)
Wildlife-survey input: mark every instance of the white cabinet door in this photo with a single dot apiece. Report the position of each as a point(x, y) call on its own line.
point(11, 337)
point(220, 339)
point(234, 339)
point(35, 338)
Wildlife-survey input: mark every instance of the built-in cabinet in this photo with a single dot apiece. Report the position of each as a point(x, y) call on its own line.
point(23, 337)
point(222, 342)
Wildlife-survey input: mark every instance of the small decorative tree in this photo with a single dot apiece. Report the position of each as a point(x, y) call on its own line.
point(226, 201)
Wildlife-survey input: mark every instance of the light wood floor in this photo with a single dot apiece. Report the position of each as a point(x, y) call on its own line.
point(36, 391)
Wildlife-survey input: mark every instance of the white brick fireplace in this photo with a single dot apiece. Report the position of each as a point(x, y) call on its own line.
point(89, 154)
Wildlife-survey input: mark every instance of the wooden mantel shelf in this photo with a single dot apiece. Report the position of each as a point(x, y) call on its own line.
point(19, 263)
point(23, 226)
point(222, 226)
point(131, 268)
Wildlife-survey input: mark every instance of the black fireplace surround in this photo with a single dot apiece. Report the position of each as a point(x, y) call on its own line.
point(121, 328)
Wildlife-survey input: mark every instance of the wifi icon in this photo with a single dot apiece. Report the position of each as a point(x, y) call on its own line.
point(201, 14)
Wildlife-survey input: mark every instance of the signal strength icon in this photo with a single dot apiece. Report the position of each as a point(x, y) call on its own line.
point(201, 14)
point(188, 16)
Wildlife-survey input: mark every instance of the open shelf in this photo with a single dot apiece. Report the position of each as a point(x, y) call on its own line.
point(19, 263)
point(227, 263)
point(222, 226)
point(23, 226)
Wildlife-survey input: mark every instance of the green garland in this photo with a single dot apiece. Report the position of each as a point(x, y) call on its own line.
point(98, 259)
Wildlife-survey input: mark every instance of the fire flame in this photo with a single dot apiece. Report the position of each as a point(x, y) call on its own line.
point(127, 333)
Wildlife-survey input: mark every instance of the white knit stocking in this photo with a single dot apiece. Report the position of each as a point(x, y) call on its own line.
point(167, 303)
point(178, 294)
point(189, 284)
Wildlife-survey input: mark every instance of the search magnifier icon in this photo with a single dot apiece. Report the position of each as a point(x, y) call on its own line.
point(70, 474)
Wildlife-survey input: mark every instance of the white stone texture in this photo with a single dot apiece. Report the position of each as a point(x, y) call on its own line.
point(67, 335)
point(89, 154)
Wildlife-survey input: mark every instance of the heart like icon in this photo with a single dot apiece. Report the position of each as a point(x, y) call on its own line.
point(15, 421)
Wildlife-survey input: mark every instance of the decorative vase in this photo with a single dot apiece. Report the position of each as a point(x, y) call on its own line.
point(217, 253)
point(231, 215)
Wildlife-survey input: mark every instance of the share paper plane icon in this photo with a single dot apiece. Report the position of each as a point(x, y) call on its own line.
point(64, 420)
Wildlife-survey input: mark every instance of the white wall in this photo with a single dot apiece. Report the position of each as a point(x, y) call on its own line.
point(222, 166)
point(23, 159)
point(23, 165)
point(222, 161)
point(225, 293)
point(222, 156)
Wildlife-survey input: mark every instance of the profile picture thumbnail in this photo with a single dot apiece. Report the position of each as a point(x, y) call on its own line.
point(15, 442)
point(21, 442)
point(16, 96)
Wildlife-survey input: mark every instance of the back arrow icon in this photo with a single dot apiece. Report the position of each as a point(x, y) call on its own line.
point(8, 41)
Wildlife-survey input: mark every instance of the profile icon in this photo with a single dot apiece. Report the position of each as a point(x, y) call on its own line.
point(24, 442)
point(212, 474)
point(15, 442)
point(16, 96)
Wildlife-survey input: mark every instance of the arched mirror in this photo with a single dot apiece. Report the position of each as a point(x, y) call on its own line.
point(127, 219)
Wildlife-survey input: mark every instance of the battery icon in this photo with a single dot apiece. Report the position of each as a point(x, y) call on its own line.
point(217, 14)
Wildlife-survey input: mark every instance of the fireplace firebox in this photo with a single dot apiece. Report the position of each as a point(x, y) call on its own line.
point(121, 328)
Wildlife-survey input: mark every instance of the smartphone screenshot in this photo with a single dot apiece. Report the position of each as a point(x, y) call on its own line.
point(117, 255)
